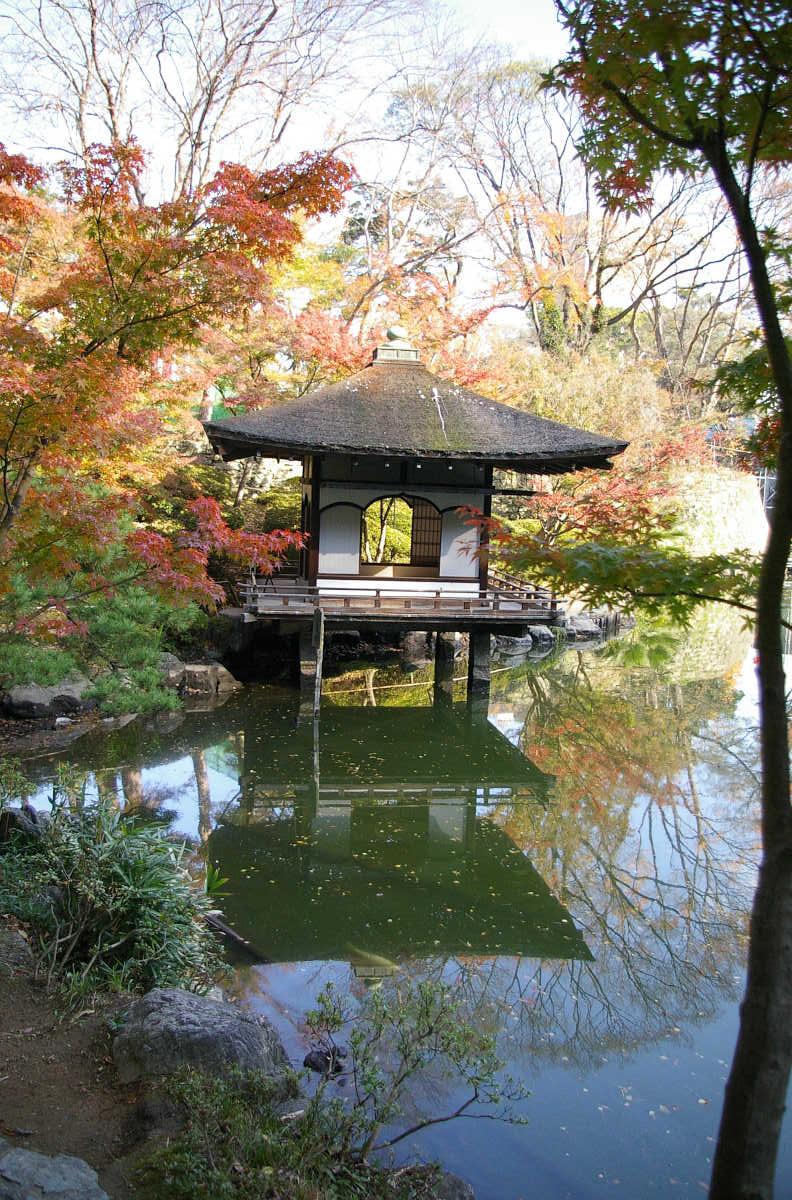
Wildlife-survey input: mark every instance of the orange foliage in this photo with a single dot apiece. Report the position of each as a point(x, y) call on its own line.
point(99, 288)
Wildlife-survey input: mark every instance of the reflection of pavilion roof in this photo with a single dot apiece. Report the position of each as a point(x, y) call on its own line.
point(400, 408)
point(396, 895)
point(362, 880)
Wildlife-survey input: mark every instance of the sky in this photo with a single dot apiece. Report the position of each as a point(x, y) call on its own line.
point(530, 26)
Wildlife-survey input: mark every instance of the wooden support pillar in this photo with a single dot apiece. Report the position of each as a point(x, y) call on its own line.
point(314, 520)
point(484, 537)
point(311, 659)
point(479, 673)
point(444, 669)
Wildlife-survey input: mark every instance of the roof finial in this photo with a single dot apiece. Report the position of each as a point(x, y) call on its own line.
point(397, 348)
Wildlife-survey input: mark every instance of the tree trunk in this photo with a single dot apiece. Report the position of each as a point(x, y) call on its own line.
point(207, 404)
point(745, 1157)
point(13, 503)
point(755, 1099)
point(384, 513)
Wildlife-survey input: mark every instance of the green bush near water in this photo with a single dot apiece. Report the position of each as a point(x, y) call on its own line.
point(107, 900)
point(238, 1143)
point(119, 643)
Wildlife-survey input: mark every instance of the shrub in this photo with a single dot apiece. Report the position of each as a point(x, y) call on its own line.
point(108, 901)
point(23, 662)
point(394, 1039)
point(237, 1143)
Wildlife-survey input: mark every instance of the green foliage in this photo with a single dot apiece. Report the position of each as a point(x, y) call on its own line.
point(22, 661)
point(278, 507)
point(237, 1144)
point(108, 900)
point(650, 649)
point(396, 1037)
point(670, 86)
point(386, 531)
point(14, 784)
point(135, 690)
point(237, 489)
point(553, 333)
point(662, 582)
point(118, 636)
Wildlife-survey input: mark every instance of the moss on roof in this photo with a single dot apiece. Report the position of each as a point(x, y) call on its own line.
point(403, 409)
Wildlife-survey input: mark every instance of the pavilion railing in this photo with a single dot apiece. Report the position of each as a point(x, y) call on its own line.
point(274, 597)
point(501, 581)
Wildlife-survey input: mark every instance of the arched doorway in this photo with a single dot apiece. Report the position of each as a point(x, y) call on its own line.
point(403, 530)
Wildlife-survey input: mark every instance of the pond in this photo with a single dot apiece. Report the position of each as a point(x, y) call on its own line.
point(578, 865)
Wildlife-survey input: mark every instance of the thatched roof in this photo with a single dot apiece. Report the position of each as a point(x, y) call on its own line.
point(399, 408)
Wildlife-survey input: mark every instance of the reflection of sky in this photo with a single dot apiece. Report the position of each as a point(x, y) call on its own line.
point(748, 684)
point(179, 780)
point(175, 781)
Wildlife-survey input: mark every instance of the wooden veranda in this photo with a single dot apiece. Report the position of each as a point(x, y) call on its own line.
point(506, 603)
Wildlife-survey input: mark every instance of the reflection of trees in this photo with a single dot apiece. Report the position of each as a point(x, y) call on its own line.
point(204, 795)
point(132, 783)
point(666, 927)
point(653, 867)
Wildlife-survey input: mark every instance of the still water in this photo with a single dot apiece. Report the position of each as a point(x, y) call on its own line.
point(578, 865)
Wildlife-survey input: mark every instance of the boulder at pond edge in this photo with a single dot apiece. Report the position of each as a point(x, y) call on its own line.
point(30, 700)
point(28, 1175)
point(168, 1029)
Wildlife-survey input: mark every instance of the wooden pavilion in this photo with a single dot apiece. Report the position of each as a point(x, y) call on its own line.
point(396, 432)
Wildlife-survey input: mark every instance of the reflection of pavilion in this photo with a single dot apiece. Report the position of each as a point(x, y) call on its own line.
point(363, 843)
point(377, 757)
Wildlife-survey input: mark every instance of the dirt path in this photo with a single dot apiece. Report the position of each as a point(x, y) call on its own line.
point(58, 1089)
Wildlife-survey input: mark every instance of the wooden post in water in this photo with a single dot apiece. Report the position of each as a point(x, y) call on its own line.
point(479, 674)
point(444, 669)
point(311, 656)
point(318, 644)
point(307, 665)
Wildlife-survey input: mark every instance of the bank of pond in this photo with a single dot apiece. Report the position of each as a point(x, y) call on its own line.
point(577, 863)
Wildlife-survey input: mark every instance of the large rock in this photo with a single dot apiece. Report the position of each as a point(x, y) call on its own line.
point(62, 699)
point(18, 820)
point(169, 1028)
point(452, 1187)
point(514, 645)
point(199, 679)
point(28, 1175)
point(542, 635)
point(582, 627)
point(15, 957)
